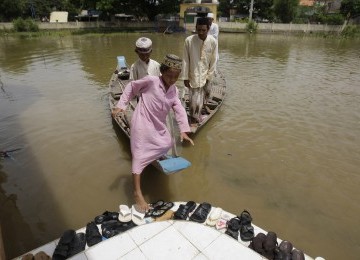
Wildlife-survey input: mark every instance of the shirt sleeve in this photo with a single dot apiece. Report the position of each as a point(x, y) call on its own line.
point(212, 65)
point(216, 31)
point(132, 72)
point(186, 61)
point(132, 89)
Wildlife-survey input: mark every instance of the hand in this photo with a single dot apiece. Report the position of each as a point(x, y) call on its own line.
point(187, 83)
point(206, 83)
point(186, 137)
point(116, 111)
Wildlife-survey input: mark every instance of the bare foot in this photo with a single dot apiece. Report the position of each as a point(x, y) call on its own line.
point(141, 204)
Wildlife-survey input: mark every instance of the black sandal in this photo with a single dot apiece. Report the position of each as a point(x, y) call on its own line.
point(245, 218)
point(106, 216)
point(233, 226)
point(184, 210)
point(93, 235)
point(201, 212)
point(297, 254)
point(115, 227)
point(270, 245)
point(77, 245)
point(62, 249)
point(257, 243)
point(246, 232)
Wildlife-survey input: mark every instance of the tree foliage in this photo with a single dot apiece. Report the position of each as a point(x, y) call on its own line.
point(12, 9)
point(350, 8)
point(285, 10)
point(261, 8)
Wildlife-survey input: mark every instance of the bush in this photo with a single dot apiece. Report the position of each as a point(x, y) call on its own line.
point(351, 31)
point(27, 25)
point(330, 19)
point(251, 26)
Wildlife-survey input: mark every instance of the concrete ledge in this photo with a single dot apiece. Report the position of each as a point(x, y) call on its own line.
point(231, 27)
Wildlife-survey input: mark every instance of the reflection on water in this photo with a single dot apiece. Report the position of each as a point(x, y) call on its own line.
point(285, 144)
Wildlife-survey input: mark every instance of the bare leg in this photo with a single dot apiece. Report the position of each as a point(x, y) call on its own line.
point(141, 204)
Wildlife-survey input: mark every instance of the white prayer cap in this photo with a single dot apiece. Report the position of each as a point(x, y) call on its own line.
point(143, 45)
point(210, 15)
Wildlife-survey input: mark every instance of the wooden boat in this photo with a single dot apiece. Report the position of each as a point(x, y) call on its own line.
point(217, 96)
point(172, 162)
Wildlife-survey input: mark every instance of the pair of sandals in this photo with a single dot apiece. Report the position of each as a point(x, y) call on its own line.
point(158, 209)
point(199, 215)
point(266, 245)
point(241, 224)
point(115, 227)
point(286, 251)
point(70, 243)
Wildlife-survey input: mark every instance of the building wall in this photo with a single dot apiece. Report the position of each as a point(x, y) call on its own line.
point(211, 6)
point(58, 17)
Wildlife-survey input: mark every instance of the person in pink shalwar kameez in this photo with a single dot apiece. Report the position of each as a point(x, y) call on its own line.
point(149, 138)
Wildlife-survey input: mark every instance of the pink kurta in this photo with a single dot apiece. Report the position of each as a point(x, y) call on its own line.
point(149, 138)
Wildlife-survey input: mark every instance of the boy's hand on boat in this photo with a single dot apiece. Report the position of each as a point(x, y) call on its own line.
point(116, 111)
point(186, 137)
point(187, 83)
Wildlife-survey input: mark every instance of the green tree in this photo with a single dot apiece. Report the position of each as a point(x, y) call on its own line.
point(261, 8)
point(224, 7)
point(151, 8)
point(350, 8)
point(285, 10)
point(10, 9)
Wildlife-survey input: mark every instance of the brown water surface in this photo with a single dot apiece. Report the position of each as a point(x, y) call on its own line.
point(285, 145)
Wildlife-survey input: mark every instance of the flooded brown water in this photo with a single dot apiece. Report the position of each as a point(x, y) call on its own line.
point(285, 145)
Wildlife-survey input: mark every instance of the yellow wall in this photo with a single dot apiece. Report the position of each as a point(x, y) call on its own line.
point(212, 7)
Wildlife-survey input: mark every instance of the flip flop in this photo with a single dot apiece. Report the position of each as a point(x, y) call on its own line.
point(137, 217)
point(124, 213)
point(159, 211)
point(214, 216)
point(156, 206)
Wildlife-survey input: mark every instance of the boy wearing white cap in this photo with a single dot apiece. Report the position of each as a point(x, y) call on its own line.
point(144, 65)
point(214, 28)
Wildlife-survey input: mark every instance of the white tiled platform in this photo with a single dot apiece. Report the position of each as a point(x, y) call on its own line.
point(171, 239)
point(165, 240)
